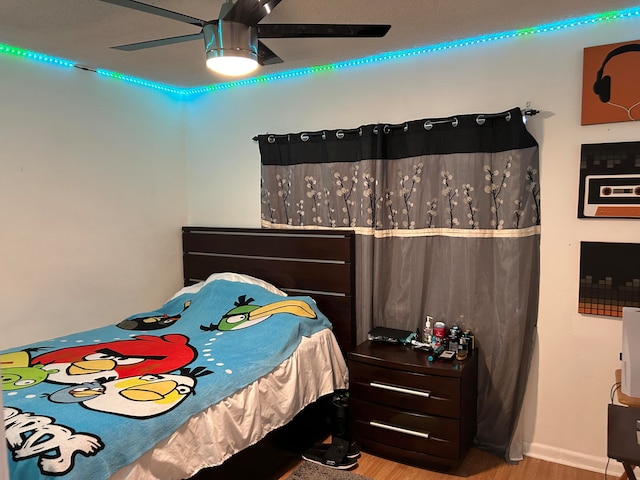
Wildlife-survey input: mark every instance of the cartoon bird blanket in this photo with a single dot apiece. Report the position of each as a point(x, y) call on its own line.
point(85, 405)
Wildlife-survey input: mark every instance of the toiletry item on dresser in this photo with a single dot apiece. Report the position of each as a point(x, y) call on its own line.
point(437, 351)
point(439, 334)
point(466, 345)
point(427, 331)
point(454, 338)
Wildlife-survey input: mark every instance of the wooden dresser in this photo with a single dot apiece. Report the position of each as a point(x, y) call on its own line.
point(403, 407)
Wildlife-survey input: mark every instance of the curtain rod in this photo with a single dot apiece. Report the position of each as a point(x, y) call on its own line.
point(428, 125)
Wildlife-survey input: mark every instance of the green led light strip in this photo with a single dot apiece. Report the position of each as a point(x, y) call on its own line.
point(40, 57)
point(144, 83)
point(633, 12)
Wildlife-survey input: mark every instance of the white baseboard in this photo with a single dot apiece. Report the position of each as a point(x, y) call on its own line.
point(572, 459)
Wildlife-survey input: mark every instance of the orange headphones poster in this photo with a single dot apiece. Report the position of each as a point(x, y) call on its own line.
point(611, 83)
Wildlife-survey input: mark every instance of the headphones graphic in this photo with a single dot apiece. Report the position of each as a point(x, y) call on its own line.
point(602, 85)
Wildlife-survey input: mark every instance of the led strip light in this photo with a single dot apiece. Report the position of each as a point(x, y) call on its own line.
point(395, 55)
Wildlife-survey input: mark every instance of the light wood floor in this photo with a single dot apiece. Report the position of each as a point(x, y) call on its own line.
point(478, 465)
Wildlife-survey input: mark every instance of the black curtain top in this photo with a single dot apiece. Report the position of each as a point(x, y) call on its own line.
point(459, 134)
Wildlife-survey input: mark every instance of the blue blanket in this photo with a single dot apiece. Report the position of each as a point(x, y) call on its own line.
point(84, 405)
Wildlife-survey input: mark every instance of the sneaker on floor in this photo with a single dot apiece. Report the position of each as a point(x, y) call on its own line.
point(334, 455)
point(352, 452)
point(320, 457)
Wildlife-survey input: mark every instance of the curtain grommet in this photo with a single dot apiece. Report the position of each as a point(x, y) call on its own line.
point(339, 134)
point(304, 137)
point(508, 117)
point(428, 125)
point(375, 130)
point(386, 129)
point(406, 127)
point(271, 139)
point(480, 120)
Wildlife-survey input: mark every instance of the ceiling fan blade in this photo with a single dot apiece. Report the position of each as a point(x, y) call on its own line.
point(309, 30)
point(143, 7)
point(250, 12)
point(266, 55)
point(158, 43)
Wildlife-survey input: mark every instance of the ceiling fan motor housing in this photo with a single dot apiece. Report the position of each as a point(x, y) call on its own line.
point(226, 38)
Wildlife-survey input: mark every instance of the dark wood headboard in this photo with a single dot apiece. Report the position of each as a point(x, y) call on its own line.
point(318, 263)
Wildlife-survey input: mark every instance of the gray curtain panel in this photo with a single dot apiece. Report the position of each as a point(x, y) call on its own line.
point(447, 213)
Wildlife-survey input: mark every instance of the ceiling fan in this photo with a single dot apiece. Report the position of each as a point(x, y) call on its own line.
point(233, 43)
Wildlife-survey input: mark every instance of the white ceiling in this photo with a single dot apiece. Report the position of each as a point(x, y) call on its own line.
point(83, 30)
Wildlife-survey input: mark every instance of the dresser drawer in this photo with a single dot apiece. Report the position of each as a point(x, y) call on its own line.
point(428, 394)
point(436, 436)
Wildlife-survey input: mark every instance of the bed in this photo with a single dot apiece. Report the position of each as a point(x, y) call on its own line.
point(256, 337)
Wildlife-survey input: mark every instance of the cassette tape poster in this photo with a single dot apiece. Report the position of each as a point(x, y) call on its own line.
point(611, 83)
point(608, 279)
point(609, 180)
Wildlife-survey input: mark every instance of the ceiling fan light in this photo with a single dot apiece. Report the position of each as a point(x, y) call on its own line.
point(232, 64)
point(231, 48)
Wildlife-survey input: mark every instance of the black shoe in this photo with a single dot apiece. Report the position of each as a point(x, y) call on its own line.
point(319, 457)
point(333, 456)
point(352, 452)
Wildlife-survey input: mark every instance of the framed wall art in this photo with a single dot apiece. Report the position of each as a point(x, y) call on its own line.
point(611, 83)
point(609, 180)
point(608, 280)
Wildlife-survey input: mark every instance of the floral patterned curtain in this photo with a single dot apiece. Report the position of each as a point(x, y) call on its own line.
point(447, 213)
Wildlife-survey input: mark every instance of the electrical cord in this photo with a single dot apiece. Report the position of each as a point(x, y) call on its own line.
point(612, 393)
point(614, 389)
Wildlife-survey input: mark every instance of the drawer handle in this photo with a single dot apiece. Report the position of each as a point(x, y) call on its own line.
point(393, 388)
point(399, 429)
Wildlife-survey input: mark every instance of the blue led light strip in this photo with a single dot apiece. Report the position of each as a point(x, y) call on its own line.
point(633, 12)
point(550, 27)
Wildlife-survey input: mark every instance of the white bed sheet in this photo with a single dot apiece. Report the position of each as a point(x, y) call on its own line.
point(315, 369)
point(231, 277)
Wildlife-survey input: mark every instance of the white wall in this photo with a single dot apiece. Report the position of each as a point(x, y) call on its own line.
point(93, 194)
point(576, 355)
point(4, 459)
point(92, 198)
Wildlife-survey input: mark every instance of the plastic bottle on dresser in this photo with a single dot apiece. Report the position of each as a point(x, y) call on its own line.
point(427, 332)
point(454, 338)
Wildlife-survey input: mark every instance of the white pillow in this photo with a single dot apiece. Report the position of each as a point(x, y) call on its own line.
point(232, 277)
